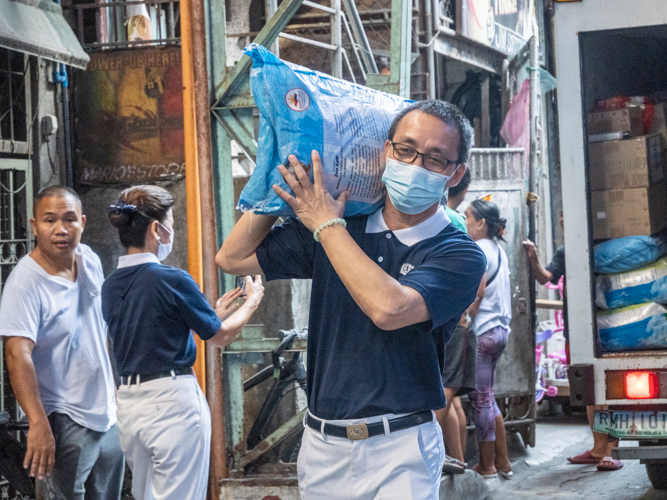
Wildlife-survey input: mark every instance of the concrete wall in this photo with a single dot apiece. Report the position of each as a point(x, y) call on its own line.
point(48, 156)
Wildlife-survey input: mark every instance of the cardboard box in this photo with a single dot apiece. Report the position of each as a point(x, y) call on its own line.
point(628, 121)
point(626, 212)
point(625, 164)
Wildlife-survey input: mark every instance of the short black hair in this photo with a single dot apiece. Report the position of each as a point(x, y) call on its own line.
point(56, 190)
point(447, 113)
point(462, 185)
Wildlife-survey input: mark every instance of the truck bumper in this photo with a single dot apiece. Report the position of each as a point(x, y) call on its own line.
point(640, 453)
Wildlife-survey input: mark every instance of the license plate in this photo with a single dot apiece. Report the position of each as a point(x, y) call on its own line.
point(632, 424)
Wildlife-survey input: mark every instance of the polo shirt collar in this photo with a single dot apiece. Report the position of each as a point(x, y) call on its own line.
point(137, 259)
point(410, 235)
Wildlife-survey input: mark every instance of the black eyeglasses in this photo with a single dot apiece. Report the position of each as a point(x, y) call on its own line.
point(408, 154)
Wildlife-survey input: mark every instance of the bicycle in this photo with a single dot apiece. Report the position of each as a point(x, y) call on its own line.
point(12, 453)
point(284, 373)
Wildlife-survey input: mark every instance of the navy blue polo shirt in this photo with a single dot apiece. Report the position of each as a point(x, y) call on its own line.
point(151, 310)
point(355, 369)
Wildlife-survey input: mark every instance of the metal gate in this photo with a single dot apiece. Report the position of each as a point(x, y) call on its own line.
point(500, 173)
point(15, 241)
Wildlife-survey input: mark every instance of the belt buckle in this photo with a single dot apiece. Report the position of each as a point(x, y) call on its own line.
point(357, 432)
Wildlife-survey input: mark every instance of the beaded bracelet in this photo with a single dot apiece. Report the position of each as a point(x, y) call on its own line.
point(316, 233)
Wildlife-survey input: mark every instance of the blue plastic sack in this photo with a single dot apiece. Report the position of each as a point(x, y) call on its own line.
point(631, 252)
point(633, 328)
point(301, 110)
point(646, 284)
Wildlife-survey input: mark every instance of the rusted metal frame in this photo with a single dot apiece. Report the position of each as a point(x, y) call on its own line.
point(83, 6)
point(239, 75)
point(218, 467)
point(236, 127)
point(357, 28)
point(244, 345)
point(277, 437)
point(135, 43)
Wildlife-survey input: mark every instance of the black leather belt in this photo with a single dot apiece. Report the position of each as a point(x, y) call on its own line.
point(364, 431)
point(147, 377)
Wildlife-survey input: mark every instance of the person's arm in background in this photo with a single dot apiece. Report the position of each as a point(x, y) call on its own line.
point(541, 274)
point(41, 446)
point(474, 307)
point(234, 317)
point(237, 254)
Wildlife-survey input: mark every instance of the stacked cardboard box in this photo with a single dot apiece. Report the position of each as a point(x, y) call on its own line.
point(627, 178)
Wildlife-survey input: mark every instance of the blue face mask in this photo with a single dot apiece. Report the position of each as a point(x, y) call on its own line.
point(413, 189)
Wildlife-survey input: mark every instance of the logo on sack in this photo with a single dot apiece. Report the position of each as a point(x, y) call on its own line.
point(297, 100)
point(406, 268)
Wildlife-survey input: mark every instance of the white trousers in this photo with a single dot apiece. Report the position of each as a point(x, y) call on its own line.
point(402, 465)
point(165, 434)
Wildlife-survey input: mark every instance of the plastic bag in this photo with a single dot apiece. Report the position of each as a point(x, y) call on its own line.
point(633, 328)
point(646, 284)
point(624, 254)
point(303, 110)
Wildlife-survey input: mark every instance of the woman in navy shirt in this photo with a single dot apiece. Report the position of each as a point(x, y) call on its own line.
point(151, 311)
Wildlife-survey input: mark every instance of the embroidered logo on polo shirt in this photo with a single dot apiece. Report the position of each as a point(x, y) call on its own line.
point(406, 268)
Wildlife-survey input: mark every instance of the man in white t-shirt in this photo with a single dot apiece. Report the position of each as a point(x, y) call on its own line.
point(56, 348)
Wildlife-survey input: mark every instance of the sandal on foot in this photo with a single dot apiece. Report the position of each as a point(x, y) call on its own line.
point(505, 475)
point(489, 476)
point(452, 468)
point(456, 461)
point(584, 458)
point(609, 464)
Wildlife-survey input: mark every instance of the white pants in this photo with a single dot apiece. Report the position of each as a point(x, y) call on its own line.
point(165, 434)
point(402, 465)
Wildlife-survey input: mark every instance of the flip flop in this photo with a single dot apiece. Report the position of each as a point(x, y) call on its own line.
point(452, 468)
point(456, 461)
point(505, 475)
point(584, 458)
point(609, 464)
point(489, 476)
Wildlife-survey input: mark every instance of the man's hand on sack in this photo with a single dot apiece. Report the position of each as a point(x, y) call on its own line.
point(312, 203)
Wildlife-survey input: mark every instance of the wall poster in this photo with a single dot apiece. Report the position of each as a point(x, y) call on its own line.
point(129, 117)
point(505, 25)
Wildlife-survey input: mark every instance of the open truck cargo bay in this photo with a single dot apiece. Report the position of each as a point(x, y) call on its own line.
point(608, 48)
point(604, 48)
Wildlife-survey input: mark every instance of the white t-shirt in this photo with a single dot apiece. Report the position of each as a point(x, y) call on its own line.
point(64, 320)
point(496, 307)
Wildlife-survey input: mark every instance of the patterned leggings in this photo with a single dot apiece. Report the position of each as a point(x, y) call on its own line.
point(490, 346)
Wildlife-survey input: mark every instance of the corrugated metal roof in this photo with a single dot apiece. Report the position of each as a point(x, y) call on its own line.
point(38, 27)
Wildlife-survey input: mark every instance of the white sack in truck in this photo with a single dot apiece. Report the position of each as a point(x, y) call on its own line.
point(301, 110)
point(646, 284)
point(633, 328)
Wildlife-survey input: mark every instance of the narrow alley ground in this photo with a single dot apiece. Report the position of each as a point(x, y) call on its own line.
point(543, 472)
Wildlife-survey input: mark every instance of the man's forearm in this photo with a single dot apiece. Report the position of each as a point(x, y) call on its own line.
point(539, 272)
point(25, 386)
point(236, 256)
point(382, 298)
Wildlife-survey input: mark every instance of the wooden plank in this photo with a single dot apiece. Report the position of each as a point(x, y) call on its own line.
point(556, 305)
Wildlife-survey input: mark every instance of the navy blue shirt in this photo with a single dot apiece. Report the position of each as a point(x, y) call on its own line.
point(355, 369)
point(150, 310)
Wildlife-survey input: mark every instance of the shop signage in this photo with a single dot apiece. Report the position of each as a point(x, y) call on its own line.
point(505, 25)
point(129, 117)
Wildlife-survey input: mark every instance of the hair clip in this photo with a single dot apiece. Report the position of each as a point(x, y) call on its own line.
point(122, 208)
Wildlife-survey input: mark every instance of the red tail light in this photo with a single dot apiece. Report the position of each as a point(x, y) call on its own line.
point(641, 385)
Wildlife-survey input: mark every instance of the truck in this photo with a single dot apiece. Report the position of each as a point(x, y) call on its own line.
point(603, 49)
